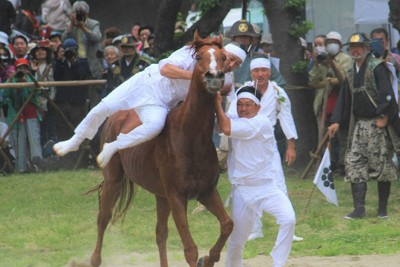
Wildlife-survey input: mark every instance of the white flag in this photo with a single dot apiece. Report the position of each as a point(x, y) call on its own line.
point(324, 181)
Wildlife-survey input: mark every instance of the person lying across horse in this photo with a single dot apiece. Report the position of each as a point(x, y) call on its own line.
point(151, 93)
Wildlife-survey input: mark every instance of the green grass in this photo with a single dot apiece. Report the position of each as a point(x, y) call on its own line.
point(46, 220)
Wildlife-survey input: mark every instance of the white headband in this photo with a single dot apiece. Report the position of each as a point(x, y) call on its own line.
point(260, 63)
point(237, 51)
point(249, 96)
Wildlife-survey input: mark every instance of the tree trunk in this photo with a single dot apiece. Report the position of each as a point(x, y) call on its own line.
point(210, 22)
point(394, 15)
point(164, 31)
point(289, 51)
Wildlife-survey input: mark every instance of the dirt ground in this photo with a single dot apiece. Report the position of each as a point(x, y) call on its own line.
point(150, 260)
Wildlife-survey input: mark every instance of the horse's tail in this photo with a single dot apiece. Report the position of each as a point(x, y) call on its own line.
point(125, 197)
point(123, 200)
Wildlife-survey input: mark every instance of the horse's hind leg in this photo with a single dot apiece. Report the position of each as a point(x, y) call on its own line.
point(113, 178)
point(163, 212)
point(212, 201)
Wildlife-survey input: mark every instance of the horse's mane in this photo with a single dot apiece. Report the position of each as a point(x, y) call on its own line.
point(197, 44)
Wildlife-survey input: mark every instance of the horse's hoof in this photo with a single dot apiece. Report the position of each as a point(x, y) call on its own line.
point(200, 262)
point(95, 261)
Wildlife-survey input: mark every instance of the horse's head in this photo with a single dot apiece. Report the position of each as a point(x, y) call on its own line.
point(210, 61)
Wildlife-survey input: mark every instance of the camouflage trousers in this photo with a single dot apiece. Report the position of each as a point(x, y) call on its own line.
point(369, 154)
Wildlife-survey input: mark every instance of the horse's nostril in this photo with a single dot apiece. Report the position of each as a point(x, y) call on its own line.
point(209, 75)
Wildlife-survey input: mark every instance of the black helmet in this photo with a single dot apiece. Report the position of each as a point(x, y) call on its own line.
point(242, 27)
point(358, 38)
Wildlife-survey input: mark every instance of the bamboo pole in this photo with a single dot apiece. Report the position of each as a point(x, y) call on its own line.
point(321, 126)
point(41, 85)
point(315, 156)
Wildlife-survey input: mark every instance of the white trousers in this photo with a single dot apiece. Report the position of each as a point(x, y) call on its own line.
point(244, 214)
point(280, 180)
point(126, 97)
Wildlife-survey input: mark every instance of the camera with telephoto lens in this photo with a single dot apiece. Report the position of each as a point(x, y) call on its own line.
point(80, 16)
point(322, 54)
point(19, 74)
point(69, 53)
point(4, 60)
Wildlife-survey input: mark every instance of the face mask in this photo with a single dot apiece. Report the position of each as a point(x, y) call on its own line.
point(376, 46)
point(333, 49)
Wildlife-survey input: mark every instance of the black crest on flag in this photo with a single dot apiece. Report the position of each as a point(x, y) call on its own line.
point(327, 177)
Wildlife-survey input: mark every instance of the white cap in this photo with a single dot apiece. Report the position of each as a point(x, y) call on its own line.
point(256, 28)
point(236, 50)
point(335, 36)
point(246, 94)
point(266, 39)
point(260, 63)
point(4, 38)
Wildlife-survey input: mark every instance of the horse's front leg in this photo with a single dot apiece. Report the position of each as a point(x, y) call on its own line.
point(212, 201)
point(163, 211)
point(178, 206)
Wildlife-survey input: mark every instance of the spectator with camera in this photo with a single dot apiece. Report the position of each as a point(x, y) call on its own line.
point(86, 32)
point(27, 128)
point(72, 100)
point(326, 75)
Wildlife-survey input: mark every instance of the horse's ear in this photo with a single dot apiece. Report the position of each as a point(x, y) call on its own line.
point(196, 35)
point(219, 38)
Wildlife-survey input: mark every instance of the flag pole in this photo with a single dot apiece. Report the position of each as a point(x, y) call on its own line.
point(315, 156)
point(328, 145)
point(309, 199)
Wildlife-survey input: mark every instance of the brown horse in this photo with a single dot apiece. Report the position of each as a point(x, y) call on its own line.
point(178, 165)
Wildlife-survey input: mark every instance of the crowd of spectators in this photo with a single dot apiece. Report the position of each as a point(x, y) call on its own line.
point(67, 45)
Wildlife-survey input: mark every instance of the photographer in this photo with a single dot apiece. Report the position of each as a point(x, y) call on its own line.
point(72, 100)
point(28, 125)
point(326, 75)
point(86, 32)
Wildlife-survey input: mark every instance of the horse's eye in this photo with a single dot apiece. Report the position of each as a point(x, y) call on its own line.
point(198, 57)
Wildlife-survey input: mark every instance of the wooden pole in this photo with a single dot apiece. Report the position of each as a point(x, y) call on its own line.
point(41, 85)
point(322, 128)
point(315, 156)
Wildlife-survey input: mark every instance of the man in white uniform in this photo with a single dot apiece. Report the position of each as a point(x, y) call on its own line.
point(152, 93)
point(252, 175)
point(275, 104)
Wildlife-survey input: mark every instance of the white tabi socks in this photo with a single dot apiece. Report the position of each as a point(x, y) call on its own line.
point(109, 149)
point(70, 145)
